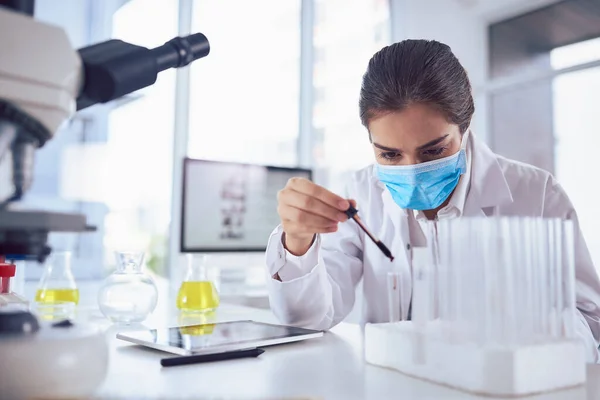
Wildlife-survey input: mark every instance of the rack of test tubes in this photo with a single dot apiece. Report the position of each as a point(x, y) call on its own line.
point(493, 309)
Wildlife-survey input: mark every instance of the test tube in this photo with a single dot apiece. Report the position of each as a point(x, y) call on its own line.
point(537, 276)
point(452, 271)
point(550, 270)
point(556, 295)
point(544, 262)
point(499, 281)
point(488, 282)
point(445, 232)
point(461, 281)
point(497, 284)
point(480, 311)
point(525, 283)
point(435, 270)
point(480, 259)
point(465, 282)
point(394, 280)
point(536, 315)
point(508, 265)
point(568, 253)
point(421, 287)
point(516, 276)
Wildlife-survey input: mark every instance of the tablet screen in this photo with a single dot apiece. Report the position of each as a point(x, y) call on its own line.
point(218, 337)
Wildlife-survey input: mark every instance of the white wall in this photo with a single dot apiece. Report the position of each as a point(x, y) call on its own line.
point(498, 10)
point(456, 25)
point(463, 25)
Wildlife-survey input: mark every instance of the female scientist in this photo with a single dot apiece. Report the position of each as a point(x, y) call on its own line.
point(416, 104)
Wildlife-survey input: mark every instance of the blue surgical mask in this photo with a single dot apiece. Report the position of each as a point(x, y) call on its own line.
point(427, 185)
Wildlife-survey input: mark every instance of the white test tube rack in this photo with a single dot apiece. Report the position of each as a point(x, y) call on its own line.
point(493, 309)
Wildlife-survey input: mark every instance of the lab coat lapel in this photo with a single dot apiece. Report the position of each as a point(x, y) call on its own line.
point(488, 187)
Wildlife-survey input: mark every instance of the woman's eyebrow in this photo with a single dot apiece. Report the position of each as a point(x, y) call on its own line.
point(426, 145)
point(433, 142)
point(385, 148)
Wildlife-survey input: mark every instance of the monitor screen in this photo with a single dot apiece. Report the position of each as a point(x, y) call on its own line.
point(230, 206)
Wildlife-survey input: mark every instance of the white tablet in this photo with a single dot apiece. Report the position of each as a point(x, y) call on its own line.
point(217, 338)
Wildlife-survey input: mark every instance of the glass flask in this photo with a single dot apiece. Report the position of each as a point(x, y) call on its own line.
point(128, 295)
point(57, 293)
point(197, 292)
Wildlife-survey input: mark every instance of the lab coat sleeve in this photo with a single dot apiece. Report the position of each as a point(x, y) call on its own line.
point(320, 295)
point(295, 266)
point(587, 285)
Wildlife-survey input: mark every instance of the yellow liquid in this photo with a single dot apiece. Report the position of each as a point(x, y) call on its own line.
point(54, 296)
point(199, 296)
point(197, 330)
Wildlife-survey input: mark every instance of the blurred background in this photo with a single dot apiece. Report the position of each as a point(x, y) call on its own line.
point(280, 87)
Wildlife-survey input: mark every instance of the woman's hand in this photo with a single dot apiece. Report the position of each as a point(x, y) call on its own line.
point(306, 209)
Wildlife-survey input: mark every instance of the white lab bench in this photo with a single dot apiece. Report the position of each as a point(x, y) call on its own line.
point(331, 367)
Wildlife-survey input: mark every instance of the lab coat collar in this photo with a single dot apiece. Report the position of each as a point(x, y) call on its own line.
point(488, 187)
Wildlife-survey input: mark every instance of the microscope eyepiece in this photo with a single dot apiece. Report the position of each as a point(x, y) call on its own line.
point(114, 68)
point(181, 51)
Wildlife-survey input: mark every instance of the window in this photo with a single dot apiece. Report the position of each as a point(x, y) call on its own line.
point(244, 101)
point(576, 96)
point(244, 106)
point(140, 143)
point(345, 48)
point(113, 162)
point(575, 54)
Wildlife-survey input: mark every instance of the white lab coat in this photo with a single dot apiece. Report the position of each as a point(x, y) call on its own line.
point(318, 290)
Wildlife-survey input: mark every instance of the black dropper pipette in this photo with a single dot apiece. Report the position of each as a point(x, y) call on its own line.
point(353, 214)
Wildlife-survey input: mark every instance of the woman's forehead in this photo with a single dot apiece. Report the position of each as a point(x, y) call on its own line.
point(410, 128)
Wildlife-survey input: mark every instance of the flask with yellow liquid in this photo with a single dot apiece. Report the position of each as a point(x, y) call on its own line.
point(197, 292)
point(57, 293)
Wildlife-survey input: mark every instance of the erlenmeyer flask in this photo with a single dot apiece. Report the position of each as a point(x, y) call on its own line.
point(57, 285)
point(197, 292)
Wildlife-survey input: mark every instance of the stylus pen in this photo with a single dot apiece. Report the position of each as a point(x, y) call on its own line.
point(352, 213)
point(202, 358)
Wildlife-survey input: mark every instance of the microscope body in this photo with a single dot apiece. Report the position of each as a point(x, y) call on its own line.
point(40, 78)
point(43, 82)
point(40, 72)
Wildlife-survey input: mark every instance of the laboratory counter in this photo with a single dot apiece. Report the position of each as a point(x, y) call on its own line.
point(331, 367)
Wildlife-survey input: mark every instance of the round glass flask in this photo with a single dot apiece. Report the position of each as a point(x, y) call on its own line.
point(128, 295)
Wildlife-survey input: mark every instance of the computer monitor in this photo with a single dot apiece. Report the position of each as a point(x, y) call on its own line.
point(230, 207)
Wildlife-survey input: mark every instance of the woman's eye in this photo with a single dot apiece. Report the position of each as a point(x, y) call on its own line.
point(435, 152)
point(389, 155)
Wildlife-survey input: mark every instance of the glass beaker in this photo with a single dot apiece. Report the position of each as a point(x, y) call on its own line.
point(57, 285)
point(128, 295)
point(197, 292)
